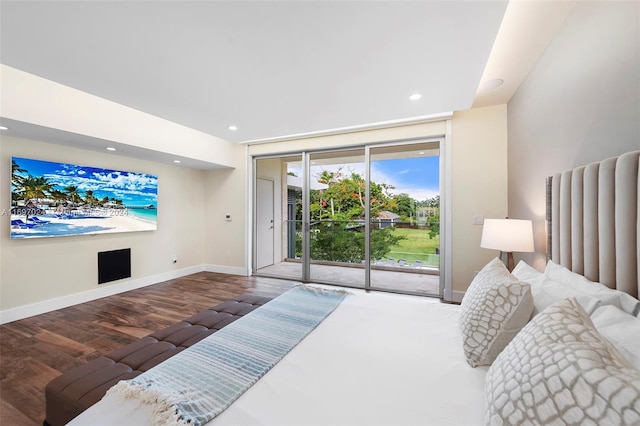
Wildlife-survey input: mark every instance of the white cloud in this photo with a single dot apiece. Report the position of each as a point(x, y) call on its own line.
point(126, 181)
point(113, 184)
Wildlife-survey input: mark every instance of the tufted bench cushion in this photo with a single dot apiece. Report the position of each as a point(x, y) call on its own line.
point(74, 391)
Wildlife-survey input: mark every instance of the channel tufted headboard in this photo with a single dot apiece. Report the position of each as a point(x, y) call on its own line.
point(593, 221)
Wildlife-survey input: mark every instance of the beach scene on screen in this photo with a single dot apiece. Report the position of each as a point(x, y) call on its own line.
point(50, 199)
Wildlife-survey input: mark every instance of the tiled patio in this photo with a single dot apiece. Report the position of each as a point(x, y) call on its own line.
point(410, 280)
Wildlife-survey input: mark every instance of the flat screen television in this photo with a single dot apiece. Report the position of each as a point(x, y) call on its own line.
point(50, 199)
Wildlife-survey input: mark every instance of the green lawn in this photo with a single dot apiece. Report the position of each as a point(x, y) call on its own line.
point(416, 246)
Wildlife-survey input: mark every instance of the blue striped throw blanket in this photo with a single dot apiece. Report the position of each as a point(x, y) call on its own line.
point(197, 384)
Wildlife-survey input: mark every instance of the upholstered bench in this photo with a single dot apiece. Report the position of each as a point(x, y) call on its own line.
point(76, 390)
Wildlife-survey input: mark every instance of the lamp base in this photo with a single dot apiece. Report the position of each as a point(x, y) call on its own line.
point(507, 259)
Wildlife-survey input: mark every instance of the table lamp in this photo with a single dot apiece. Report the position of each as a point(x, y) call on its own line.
point(507, 235)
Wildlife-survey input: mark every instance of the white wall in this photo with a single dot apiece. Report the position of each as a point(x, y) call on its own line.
point(479, 186)
point(34, 271)
point(580, 103)
point(225, 193)
point(185, 197)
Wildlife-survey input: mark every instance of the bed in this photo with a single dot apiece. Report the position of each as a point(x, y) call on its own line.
point(559, 346)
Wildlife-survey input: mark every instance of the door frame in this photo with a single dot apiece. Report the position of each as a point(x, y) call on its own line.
point(445, 201)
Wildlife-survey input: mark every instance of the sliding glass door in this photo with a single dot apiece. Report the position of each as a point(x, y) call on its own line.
point(404, 218)
point(367, 217)
point(337, 206)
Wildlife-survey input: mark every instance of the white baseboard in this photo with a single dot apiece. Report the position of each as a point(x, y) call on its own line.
point(456, 296)
point(231, 270)
point(45, 306)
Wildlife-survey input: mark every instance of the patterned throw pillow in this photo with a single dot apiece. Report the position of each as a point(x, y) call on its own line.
point(559, 370)
point(495, 307)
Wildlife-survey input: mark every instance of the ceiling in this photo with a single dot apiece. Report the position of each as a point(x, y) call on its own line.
point(279, 68)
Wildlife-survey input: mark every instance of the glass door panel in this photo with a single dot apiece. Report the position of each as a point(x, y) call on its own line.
point(278, 217)
point(404, 218)
point(336, 217)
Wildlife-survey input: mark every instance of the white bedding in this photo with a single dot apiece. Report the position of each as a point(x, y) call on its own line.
point(378, 359)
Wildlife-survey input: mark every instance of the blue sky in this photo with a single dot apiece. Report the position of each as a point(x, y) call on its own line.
point(419, 176)
point(134, 189)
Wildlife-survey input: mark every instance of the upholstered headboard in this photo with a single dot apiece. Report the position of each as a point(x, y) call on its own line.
point(593, 221)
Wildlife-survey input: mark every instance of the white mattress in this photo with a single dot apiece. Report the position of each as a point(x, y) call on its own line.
point(378, 359)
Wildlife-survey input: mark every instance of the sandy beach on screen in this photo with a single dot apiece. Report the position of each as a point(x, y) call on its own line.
point(82, 226)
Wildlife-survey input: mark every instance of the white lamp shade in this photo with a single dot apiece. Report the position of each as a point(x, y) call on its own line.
point(507, 235)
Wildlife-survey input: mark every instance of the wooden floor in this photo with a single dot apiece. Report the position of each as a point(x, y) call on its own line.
point(35, 350)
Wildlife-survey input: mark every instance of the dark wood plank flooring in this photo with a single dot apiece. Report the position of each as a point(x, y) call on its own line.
point(35, 350)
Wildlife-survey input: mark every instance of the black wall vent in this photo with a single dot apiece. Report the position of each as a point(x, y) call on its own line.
point(114, 265)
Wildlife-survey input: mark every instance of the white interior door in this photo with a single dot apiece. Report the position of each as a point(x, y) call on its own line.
point(264, 223)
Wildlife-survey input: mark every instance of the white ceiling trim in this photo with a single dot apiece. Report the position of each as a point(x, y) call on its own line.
point(352, 129)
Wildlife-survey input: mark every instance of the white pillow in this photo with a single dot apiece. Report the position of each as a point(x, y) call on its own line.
point(606, 295)
point(621, 330)
point(560, 370)
point(526, 273)
point(495, 307)
point(546, 291)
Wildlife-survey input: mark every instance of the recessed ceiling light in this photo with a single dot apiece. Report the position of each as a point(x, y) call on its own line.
point(176, 161)
point(421, 153)
point(415, 96)
point(110, 148)
point(233, 128)
point(4, 128)
point(491, 84)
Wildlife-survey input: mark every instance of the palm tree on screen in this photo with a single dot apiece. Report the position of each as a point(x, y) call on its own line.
point(41, 188)
point(73, 194)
